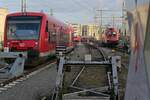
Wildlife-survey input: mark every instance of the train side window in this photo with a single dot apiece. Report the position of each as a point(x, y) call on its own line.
point(46, 30)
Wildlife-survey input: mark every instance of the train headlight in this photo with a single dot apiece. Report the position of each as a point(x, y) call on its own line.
point(114, 33)
point(36, 43)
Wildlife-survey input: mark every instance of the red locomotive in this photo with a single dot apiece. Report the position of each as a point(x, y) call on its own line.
point(36, 33)
point(110, 36)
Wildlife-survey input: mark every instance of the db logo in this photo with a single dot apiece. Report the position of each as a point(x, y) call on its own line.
point(21, 44)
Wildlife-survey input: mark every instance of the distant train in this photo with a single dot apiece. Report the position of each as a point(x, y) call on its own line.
point(110, 36)
point(77, 38)
point(36, 33)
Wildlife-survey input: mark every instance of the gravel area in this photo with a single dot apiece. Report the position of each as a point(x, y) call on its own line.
point(93, 77)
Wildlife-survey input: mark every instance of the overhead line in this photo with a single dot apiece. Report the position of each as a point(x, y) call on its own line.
point(81, 5)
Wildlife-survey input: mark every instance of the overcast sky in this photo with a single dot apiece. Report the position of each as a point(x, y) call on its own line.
point(77, 11)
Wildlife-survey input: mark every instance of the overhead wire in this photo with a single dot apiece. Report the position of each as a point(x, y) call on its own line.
point(82, 5)
point(86, 7)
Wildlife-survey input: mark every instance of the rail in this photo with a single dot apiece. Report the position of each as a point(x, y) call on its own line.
point(99, 49)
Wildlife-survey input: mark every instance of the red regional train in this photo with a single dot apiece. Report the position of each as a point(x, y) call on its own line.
point(36, 33)
point(110, 36)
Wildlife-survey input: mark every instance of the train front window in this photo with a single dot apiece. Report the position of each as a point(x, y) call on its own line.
point(23, 28)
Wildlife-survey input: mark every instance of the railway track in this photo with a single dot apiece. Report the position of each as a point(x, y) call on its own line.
point(97, 49)
point(87, 80)
point(99, 74)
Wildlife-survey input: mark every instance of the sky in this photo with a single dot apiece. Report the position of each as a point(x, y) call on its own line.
point(74, 11)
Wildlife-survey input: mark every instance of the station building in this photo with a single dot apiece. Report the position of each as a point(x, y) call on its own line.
point(86, 30)
point(3, 13)
point(77, 29)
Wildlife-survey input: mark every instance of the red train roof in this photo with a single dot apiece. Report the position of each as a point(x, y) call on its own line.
point(51, 19)
point(26, 14)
